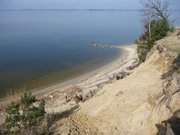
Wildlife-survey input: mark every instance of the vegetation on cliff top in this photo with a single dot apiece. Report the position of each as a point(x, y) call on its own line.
point(156, 26)
point(25, 117)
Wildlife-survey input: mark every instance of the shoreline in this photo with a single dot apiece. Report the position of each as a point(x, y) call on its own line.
point(67, 98)
point(126, 53)
point(61, 98)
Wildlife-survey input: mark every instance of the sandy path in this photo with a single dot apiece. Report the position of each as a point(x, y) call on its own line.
point(124, 106)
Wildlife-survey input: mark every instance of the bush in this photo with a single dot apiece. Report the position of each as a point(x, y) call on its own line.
point(13, 118)
point(25, 115)
point(159, 29)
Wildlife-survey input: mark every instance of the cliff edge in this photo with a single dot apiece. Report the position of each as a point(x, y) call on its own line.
point(142, 103)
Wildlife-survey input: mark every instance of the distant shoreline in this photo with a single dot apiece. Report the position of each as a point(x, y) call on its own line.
point(71, 9)
point(100, 10)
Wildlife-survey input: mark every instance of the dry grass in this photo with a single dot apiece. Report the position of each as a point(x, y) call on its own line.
point(172, 41)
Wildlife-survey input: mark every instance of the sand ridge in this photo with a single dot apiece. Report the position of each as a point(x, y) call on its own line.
point(126, 105)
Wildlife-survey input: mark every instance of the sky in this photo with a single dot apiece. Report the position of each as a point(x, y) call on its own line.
point(75, 4)
point(54, 4)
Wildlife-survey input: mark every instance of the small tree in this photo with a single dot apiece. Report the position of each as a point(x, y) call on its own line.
point(158, 9)
point(156, 25)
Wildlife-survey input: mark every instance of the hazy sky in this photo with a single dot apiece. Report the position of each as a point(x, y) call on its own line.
point(121, 4)
point(69, 3)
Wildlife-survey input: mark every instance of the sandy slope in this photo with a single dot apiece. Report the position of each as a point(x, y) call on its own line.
point(89, 84)
point(132, 106)
point(125, 107)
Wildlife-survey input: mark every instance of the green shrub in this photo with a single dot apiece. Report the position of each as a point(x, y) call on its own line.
point(13, 118)
point(159, 29)
point(24, 115)
point(28, 99)
point(142, 51)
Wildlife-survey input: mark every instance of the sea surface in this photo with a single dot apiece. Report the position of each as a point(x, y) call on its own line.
point(42, 47)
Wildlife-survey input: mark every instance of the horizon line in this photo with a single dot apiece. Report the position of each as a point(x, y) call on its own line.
point(74, 9)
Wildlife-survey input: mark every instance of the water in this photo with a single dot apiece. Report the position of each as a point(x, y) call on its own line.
point(38, 48)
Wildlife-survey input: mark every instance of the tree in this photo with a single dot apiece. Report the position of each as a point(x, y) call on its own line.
point(156, 10)
point(156, 25)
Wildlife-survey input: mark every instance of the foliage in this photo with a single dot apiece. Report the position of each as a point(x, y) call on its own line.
point(27, 99)
point(159, 29)
point(156, 26)
point(24, 115)
point(13, 118)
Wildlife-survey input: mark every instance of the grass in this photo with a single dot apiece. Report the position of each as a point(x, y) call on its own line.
point(172, 41)
point(174, 47)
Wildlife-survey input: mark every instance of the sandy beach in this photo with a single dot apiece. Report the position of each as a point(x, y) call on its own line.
point(126, 53)
point(89, 82)
point(60, 97)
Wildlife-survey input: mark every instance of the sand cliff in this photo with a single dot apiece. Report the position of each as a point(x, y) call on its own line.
point(137, 104)
point(122, 98)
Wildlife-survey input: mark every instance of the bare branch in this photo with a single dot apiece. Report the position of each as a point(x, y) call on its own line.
point(156, 9)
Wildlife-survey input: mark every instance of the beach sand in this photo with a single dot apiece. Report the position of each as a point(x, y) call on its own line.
point(126, 53)
point(59, 98)
point(55, 94)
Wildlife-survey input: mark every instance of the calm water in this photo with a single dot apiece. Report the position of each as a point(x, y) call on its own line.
point(41, 47)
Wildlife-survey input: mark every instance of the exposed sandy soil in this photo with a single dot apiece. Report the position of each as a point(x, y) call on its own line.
point(129, 106)
point(126, 105)
point(172, 41)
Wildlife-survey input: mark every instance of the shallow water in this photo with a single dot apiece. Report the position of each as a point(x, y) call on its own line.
point(38, 48)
